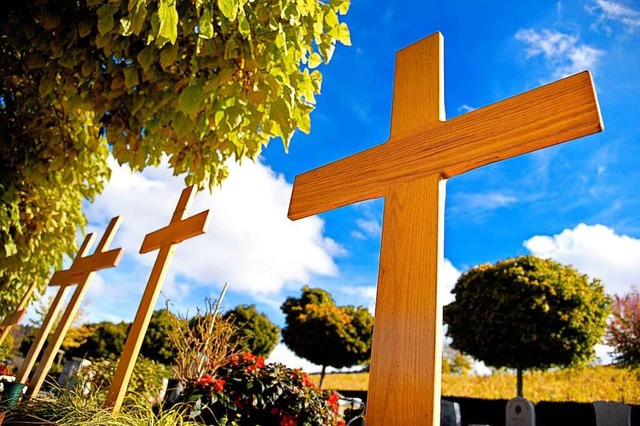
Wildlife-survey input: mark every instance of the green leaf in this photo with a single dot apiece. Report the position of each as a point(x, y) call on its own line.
point(229, 9)
point(314, 60)
point(206, 24)
point(131, 77)
point(168, 16)
point(191, 99)
point(168, 55)
point(105, 18)
point(344, 36)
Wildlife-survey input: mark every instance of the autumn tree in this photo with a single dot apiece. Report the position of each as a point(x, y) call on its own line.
point(255, 332)
point(325, 334)
point(198, 82)
point(623, 330)
point(527, 313)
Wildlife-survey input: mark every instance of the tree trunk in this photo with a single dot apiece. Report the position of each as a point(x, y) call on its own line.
point(324, 367)
point(519, 374)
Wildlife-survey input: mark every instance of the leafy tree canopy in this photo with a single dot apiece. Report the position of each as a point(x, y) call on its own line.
point(623, 331)
point(325, 334)
point(527, 313)
point(157, 345)
point(199, 81)
point(256, 333)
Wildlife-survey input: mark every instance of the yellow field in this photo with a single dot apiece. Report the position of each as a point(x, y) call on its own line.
point(589, 384)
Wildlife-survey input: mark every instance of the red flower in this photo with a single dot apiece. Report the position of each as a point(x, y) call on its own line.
point(287, 420)
point(275, 411)
point(306, 380)
point(340, 423)
point(218, 385)
point(333, 402)
point(248, 356)
point(235, 359)
point(206, 380)
point(258, 364)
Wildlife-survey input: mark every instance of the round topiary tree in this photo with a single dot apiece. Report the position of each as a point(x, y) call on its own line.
point(256, 333)
point(527, 313)
point(325, 334)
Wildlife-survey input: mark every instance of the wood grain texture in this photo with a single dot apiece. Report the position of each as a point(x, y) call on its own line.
point(552, 114)
point(16, 316)
point(165, 239)
point(404, 384)
point(82, 272)
point(50, 317)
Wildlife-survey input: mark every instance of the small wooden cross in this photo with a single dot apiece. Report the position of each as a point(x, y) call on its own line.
point(409, 170)
point(81, 272)
point(165, 239)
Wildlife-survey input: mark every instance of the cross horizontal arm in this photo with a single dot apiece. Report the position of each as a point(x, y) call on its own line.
point(83, 265)
point(555, 113)
point(176, 232)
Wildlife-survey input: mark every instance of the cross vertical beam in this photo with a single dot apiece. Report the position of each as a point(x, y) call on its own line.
point(405, 375)
point(82, 273)
point(50, 318)
point(165, 239)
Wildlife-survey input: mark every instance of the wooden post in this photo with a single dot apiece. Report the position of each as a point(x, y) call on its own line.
point(16, 316)
point(408, 170)
point(81, 272)
point(165, 239)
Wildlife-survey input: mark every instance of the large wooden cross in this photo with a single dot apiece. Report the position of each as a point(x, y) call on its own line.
point(409, 170)
point(165, 239)
point(81, 272)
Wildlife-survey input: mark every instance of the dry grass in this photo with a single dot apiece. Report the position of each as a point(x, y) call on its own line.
point(590, 384)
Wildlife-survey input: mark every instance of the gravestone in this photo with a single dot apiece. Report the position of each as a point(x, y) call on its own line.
point(612, 413)
point(71, 367)
point(520, 412)
point(450, 413)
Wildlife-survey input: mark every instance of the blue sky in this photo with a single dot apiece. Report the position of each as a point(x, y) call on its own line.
point(577, 203)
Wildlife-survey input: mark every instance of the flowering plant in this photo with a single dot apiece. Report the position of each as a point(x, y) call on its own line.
point(246, 391)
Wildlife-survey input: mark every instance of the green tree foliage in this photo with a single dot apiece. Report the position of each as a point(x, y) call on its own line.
point(256, 333)
point(623, 330)
point(200, 81)
point(106, 341)
point(325, 334)
point(157, 345)
point(527, 313)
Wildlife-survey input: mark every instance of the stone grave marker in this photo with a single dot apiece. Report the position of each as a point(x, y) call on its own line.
point(450, 413)
point(520, 412)
point(410, 171)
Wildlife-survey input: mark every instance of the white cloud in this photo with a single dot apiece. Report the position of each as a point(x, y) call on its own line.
point(563, 52)
point(595, 250)
point(371, 227)
point(465, 108)
point(490, 201)
point(447, 280)
point(250, 242)
point(617, 12)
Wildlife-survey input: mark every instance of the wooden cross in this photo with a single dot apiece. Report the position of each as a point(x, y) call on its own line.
point(409, 170)
point(16, 316)
point(81, 272)
point(164, 239)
